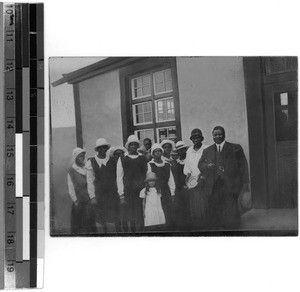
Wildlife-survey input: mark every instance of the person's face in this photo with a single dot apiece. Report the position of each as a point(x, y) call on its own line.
point(157, 153)
point(182, 152)
point(151, 183)
point(167, 149)
point(218, 136)
point(102, 150)
point(147, 144)
point(132, 147)
point(118, 153)
point(197, 139)
point(80, 159)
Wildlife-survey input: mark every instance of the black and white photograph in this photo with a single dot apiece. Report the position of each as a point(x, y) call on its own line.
point(166, 154)
point(173, 146)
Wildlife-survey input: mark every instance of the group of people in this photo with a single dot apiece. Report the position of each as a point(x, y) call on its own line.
point(166, 187)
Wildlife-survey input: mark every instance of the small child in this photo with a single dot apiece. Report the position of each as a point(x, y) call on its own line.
point(154, 217)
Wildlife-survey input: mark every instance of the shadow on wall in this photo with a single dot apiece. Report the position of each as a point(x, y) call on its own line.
point(63, 142)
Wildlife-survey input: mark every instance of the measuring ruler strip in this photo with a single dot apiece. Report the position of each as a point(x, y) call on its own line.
point(24, 145)
point(33, 143)
point(40, 140)
point(10, 125)
point(2, 143)
point(38, 123)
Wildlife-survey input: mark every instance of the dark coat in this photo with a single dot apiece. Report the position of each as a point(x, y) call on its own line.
point(235, 168)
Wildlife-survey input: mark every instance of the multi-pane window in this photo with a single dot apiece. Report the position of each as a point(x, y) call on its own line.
point(162, 81)
point(142, 134)
point(140, 86)
point(165, 110)
point(142, 113)
point(167, 133)
point(153, 105)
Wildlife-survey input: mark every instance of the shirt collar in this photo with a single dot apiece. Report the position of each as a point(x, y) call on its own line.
point(222, 145)
point(196, 151)
point(79, 169)
point(159, 164)
point(101, 161)
point(133, 156)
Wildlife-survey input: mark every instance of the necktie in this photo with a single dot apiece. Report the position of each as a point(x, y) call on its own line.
point(219, 148)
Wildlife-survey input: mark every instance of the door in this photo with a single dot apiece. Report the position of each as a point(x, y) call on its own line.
point(280, 100)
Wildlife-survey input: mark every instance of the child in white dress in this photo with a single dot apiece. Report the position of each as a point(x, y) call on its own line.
point(154, 217)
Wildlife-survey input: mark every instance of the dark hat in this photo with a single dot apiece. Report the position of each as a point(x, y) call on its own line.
point(196, 132)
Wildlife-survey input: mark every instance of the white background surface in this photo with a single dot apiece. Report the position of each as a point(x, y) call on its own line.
point(164, 28)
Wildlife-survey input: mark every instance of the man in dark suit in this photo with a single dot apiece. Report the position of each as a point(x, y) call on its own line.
point(225, 169)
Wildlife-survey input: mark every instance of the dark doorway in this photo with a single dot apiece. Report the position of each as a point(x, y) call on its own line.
point(280, 100)
point(272, 107)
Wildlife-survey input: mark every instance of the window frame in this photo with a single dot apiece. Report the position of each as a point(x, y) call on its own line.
point(154, 88)
point(167, 138)
point(151, 129)
point(140, 67)
point(134, 114)
point(156, 110)
point(132, 88)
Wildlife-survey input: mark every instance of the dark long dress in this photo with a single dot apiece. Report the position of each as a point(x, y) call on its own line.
point(82, 219)
point(106, 191)
point(182, 202)
point(134, 175)
point(163, 175)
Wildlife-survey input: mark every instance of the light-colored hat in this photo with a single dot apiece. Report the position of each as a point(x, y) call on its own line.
point(150, 176)
point(180, 145)
point(156, 146)
point(101, 142)
point(244, 202)
point(115, 148)
point(133, 139)
point(164, 142)
point(76, 152)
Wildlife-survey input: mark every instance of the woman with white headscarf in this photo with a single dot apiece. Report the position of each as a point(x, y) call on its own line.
point(82, 218)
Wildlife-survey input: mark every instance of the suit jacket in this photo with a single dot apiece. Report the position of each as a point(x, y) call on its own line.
point(235, 168)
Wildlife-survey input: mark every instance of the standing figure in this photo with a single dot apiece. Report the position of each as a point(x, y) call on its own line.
point(147, 143)
point(168, 146)
point(225, 168)
point(154, 217)
point(165, 181)
point(131, 172)
point(102, 187)
point(198, 199)
point(182, 202)
point(82, 219)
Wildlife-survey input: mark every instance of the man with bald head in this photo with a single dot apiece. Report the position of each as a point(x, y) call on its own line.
point(225, 169)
